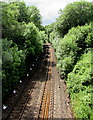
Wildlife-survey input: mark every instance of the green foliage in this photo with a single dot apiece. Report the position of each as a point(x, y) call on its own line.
point(27, 14)
point(33, 39)
point(9, 17)
point(49, 29)
point(22, 41)
point(43, 36)
point(13, 65)
point(74, 14)
point(34, 16)
point(54, 37)
point(72, 38)
point(14, 16)
point(72, 46)
point(79, 84)
point(89, 40)
point(23, 11)
point(74, 56)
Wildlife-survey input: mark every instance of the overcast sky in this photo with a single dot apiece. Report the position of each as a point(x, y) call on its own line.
point(49, 8)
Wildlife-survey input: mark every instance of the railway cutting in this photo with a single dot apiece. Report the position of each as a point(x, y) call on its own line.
point(43, 94)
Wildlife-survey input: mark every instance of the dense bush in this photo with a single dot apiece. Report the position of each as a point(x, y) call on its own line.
point(33, 39)
point(72, 38)
point(13, 65)
point(54, 38)
point(89, 40)
point(22, 40)
point(15, 16)
point(74, 60)
point(80, 87)
point(34, 16)
point(14, 58)
point(9, 19)
point(72, 46)
point(74, 14)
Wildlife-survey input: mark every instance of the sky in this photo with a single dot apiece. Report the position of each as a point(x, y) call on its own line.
point(49, 8)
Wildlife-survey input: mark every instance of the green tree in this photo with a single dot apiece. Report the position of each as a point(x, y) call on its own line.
point(34, 16)
point(74, 14)
point(33, 42)
point(9, 18)
point(80, 87)
point(22, 40)
point(23, 12)
point(13, 67)
point(69, 49)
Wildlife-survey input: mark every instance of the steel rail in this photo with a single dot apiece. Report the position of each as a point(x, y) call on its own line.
point(44, 107)
point(8, 115)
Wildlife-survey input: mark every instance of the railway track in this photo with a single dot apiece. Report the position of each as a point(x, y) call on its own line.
point(42, 110)
point(6, 113)
point(43, 97)
point(17, 110)
point(59, 105)
point(45, 101)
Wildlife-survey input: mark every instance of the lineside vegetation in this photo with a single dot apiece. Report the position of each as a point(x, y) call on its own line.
point(71, 35)
point(23, 37)
point(72, 38)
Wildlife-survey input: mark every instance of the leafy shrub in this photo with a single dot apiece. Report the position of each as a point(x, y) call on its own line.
point(33, 39)
point(74, 55)
point(89, 40)
point(72, 36)
point(43, 36)
point(21, 41)
point(80, 87)
point(74, 14)
point(13, 65)
point(72, 46)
